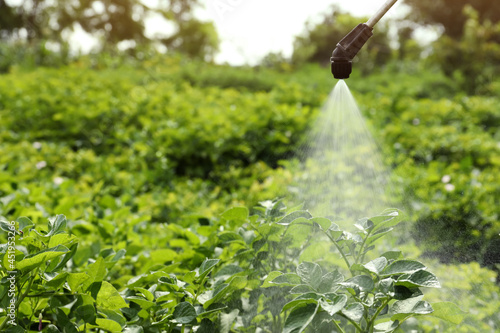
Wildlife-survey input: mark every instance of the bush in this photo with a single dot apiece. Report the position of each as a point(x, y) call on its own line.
point(446, 155)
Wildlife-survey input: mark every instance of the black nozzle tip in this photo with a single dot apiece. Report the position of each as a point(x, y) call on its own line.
point(341, 69)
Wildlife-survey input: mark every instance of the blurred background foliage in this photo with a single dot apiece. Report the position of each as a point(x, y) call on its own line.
point(161, 132)
point(36, 23)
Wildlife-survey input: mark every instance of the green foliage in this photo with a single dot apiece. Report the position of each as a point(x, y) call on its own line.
point(474, 290)
point(18, 54)
point(195, 39)
point(472, 59)
point(54, 283)
point(380, 294)
point(449, 13)
point(447, 158)
point(130, 153)
point(147, 143)
point(29, 25)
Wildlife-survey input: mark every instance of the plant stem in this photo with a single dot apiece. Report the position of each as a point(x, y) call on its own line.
point(360, 255)
point(338, 327)
point(341, 252)
point(23, 295)
point(355, 324)
point(4, 323)
point(372, 321)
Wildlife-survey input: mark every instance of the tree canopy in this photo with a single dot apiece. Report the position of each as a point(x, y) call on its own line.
point(112, 21)
point(450, 13)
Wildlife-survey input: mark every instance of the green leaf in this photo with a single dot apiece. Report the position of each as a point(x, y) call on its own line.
point(351, 238)
point(96, 273)
point(329, 281)
point(162, 255)
point(171, 283)
point(109, 298)
point(386, 286)
point(116, 315)
point(207, 313)
point(287, 219)
point(112, 260)
point(184, 313)
point(7, 227)
point(118, 255)
point(402, 292)
point(75, 280)
point(300, 317)
point(448, 311)
point(376, 266)
point(413, 305)
point(147, 294)
point(389, 218)
point(378, 234)
point(57, 281)
point(107, 324)
point(141, 301)
point(335, 231)
point(7, 262)
point(387, 327)
point(354, 311)
point(333, 304)
point(419, 279)
point(227, 320)
point(302, 289)
point(270, 277)
point(67, 257)
point(14, 329)
point(85, 310)
point(32, 261)
point(57, 225)
point(323, 222)
point(364, 225)
point(238, 282)
point(64, 322)
point(288, 279)
point(206, 267)
point(206, 327)
point(392, 255)
point(363, 283)
point(221, 291)
point(403, 266)
point(236, 213)
point(62, 239)
point(309, 298)
point(297, 232)
point(229, 236)
point(24, 223)
point(310, 273)
point(227, 271)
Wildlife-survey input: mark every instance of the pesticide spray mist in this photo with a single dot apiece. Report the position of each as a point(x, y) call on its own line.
point(343, 173)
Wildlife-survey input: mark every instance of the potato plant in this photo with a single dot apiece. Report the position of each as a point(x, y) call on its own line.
point(255, 279)
point(376, 296)
point(53, 294)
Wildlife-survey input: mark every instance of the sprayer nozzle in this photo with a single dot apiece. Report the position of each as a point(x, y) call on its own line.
point(341, 69)
point(347, 49)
